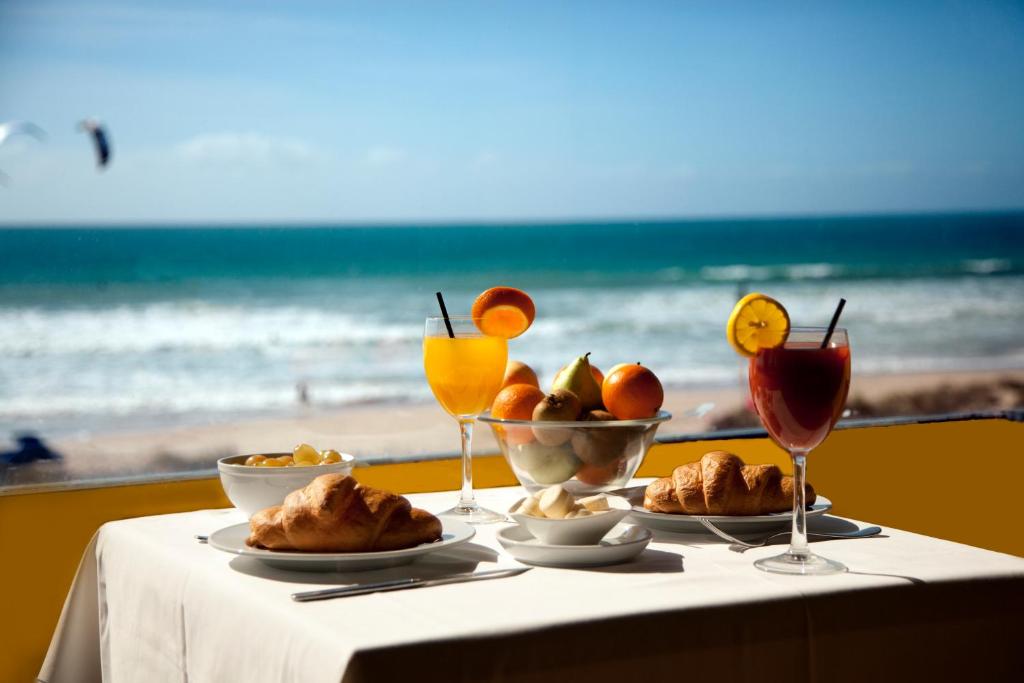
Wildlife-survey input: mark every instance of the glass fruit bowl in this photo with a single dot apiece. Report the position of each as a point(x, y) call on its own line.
point(583, 456)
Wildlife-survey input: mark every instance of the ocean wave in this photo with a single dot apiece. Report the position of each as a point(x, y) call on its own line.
point(209, 358)
point(199, 399)
point(165, 327)
point(736, 273)
point(790, 272)
point(987, 266)
point(741, 272)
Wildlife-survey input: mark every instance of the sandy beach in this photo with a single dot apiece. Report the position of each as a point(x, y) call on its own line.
point(383, 431)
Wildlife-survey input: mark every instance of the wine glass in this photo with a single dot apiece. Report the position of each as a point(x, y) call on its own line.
point(799, 390)
point(464, 368)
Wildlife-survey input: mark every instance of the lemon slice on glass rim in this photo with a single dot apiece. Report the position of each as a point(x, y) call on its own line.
point(757, 322)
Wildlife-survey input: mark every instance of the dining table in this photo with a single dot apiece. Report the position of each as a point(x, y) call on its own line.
point(151, 602)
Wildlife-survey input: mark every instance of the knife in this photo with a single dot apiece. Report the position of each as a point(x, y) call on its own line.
point(402, 584)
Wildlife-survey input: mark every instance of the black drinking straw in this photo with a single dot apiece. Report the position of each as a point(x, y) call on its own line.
point(831, 325)
point(447, 322)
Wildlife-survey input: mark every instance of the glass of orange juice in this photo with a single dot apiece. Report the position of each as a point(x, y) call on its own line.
point(465, 371)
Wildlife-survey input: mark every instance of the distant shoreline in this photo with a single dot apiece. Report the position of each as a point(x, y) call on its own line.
point(484, 222)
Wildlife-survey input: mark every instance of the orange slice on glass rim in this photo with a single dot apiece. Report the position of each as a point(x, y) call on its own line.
point(757, 322)
point(503, 312)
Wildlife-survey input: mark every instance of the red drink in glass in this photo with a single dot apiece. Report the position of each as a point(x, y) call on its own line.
point(799, 390)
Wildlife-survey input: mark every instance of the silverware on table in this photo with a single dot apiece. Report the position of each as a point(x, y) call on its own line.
point(402, 584)
point(201, 538)
point(745, 545)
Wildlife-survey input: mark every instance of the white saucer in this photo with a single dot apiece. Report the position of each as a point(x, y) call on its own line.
point(232, 540)
point(621, 544)
point(731, 524)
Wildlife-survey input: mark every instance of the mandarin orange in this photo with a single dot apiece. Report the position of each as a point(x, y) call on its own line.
point(632, 392)
point(518, 372)
point(516, 402)
point(598, 475)
point(503, 312)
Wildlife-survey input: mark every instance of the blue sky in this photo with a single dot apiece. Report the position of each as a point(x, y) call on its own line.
point(359, 111)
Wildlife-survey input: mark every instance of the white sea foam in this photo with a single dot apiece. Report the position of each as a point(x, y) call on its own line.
point(178, 357)
point(735, 273)
point(811, 271)
point(161, 398)
point(187, 325)
point(785, 271)
point(987, 265)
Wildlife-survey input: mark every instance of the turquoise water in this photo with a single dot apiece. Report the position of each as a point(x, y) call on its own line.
point(133, 323)
point(563, 254)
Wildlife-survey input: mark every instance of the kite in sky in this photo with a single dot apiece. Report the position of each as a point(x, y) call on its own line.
point(12, 128)
point(100, 140)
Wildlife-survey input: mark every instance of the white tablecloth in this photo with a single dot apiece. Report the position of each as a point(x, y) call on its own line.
point(152, 604)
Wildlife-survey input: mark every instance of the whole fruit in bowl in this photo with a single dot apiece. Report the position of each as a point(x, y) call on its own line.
point(518, 372)
point(632, 392)
point(602, 447)
point(599, 476)
point(582, 379)
point(543, 464)
point(559, 406)
point(517, 402)
point(589, 455)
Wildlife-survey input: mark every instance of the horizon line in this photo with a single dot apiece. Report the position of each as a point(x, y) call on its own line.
point(496, 222)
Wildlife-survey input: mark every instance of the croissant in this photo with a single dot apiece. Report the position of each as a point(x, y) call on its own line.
point(334, 513)
point(720, 484)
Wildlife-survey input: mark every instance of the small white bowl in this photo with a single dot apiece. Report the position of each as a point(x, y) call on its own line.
point(621, 544)
point(252, 489)
point(586, 530)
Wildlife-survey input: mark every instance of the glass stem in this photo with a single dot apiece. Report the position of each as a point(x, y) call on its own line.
point(798, 539)
point(466, 499)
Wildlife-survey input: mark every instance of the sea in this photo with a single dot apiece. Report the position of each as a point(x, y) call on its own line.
point(113, 327)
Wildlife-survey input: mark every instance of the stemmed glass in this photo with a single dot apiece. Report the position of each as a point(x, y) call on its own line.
point(799, 390)
point(465, 369)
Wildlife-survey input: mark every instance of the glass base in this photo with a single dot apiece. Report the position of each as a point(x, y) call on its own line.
point(800, 564)
point(473, 514)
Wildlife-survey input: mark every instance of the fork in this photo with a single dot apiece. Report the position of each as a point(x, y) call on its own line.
point(746, 545)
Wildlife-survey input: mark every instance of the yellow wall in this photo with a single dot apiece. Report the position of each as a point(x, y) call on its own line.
point(926, 478)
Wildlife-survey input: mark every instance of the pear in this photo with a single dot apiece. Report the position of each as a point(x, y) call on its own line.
point(579, 379)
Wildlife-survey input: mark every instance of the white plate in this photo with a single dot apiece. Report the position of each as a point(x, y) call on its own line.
point(621, 544)
point(732, 524)
point(232, 540)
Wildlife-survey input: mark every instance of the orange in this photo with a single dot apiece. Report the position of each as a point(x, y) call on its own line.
point(503, 312)
point(518, 372)
point(516, 402)
point(632, 392)
point(598, 475)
